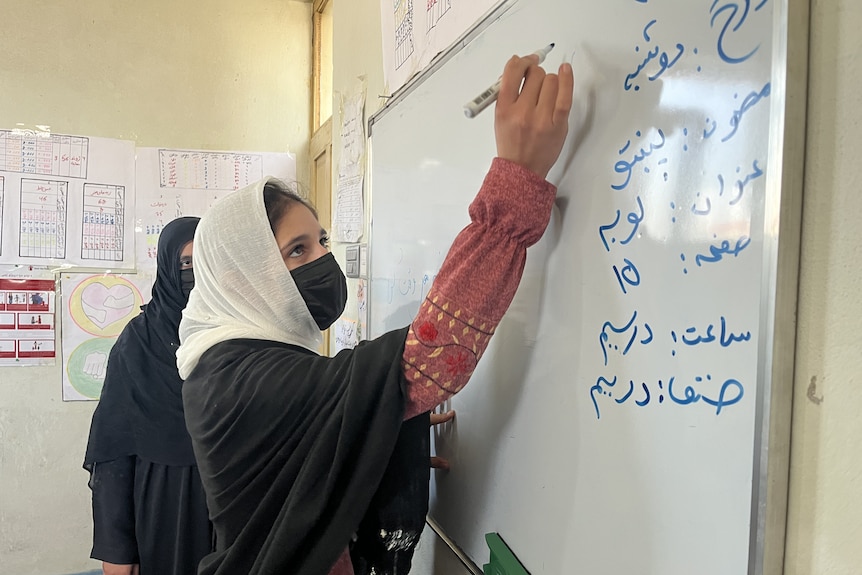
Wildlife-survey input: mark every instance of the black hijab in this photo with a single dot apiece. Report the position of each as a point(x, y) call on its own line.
point(140, 411)
point(300, 453)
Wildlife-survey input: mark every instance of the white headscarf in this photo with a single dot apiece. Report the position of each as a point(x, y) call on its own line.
point(242, 287)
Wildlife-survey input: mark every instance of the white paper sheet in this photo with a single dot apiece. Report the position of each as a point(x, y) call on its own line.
point(348, 213)
point(175, 183)
point(66, 200)
point(362, 309)
point(345, 334)
point(347, 223)
point(415, 31)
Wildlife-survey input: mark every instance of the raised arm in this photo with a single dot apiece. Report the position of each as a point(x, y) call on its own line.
point(483, 268)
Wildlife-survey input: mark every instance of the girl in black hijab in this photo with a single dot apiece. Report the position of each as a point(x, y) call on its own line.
point(149, 510)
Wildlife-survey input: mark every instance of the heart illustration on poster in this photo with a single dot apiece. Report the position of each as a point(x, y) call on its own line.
point(104, 305)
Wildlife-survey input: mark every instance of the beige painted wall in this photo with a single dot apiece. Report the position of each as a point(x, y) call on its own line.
point(191, 73)
point(215, 74)
point(825, 515)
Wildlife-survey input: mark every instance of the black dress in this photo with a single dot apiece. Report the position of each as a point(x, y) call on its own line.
point(149, 506)
point(300, 455)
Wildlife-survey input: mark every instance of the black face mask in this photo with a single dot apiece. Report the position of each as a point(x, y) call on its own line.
point(324, 288)
point(188, 279)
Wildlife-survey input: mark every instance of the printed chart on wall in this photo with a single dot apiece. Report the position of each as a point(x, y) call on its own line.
point(65, 200)
point(26, 321)
point(348, 213)
point(96, 308)
point(174, 183)
point(414, 31)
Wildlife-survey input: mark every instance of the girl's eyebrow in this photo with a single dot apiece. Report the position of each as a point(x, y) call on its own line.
point(296, 240)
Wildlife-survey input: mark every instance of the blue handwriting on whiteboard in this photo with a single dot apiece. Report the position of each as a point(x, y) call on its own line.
point(690, 395)
point(749, 102)
point(665, 62)
point(740, 184)
point(702, 211)
point(706, 207)
point(608, 328)
point(626, 167)
point(634, 218)
point(731, 393)
point(628, 274)
point(711, 130)
point(737, 12)
point(691, 337)
point(716, 253)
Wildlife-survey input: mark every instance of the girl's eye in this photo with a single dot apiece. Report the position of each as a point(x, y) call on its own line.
point(297, 251)
point(324, 241)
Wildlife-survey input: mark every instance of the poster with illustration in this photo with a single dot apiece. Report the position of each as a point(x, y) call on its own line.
point(96, 308)
point(27, 319)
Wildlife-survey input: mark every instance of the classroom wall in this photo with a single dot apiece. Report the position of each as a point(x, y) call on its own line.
point(214, 74)
point(825, 502)
point(825, 512)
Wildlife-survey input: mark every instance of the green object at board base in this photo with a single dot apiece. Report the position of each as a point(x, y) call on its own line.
point(503, 561)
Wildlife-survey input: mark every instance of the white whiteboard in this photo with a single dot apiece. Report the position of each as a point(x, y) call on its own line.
point(657, 272)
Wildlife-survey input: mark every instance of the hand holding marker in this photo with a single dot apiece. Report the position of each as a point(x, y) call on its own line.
point(489, 96)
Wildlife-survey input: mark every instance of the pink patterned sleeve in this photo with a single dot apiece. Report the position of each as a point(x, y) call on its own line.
point(475, 285)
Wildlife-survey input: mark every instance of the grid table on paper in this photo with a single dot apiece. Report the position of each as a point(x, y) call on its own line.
point(54, 155)
point(43, 219)
point(102, 225)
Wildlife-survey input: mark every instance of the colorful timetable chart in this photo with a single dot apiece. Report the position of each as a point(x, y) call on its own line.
point(44, 154)
point(199, 170)
point(42, 229)
point(65, 200)
point(103, 222)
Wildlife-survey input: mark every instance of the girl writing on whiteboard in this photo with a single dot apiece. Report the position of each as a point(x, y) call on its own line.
point(149, 509)
point(316, 465)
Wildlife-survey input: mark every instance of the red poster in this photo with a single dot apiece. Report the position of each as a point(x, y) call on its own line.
point(27, 321)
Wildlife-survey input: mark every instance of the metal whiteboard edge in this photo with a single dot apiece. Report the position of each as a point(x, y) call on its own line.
point(369, 208)
point(782, 219)
point(462, 557)
point(481, 25)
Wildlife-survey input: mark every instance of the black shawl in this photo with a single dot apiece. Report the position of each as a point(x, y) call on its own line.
point(292, 449)
point(140, 410)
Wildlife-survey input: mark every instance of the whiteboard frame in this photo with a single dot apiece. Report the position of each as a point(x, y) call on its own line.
point(782, 220)
point(782, 230)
